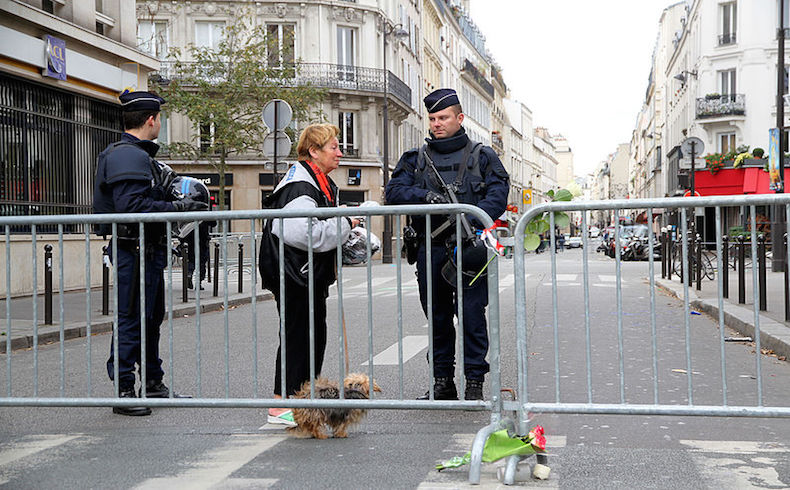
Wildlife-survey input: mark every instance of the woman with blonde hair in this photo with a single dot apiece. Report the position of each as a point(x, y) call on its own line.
point(306, 185)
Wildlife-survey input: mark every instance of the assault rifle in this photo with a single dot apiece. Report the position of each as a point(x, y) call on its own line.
point(449, 192)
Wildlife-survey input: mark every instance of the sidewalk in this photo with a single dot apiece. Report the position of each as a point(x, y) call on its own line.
point(74, 306)
point(774, 330)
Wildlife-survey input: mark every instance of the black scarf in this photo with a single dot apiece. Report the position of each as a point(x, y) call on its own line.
point(448, 145)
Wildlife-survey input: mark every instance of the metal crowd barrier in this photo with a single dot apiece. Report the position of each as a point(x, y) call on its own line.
point(28, 391)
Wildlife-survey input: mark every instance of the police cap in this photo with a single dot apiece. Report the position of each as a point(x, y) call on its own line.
point(440, 99)
point(140, 101)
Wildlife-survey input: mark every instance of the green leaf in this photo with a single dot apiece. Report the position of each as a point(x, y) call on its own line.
point(543, 226)
point(561, 219)
point(563, 195)
point(532, 226)
point(531, 242)
point(550, 194)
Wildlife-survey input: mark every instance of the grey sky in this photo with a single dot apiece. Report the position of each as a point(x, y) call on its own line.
point(580, 66)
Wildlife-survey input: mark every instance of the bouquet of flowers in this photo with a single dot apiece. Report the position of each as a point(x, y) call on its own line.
point(714, 162)
point(500, 445)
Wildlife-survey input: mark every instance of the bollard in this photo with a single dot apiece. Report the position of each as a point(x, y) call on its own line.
point(216, 270)
point(663, 254)
point(698, 256)
point(241, 266)
point(105, 282)
point(208, 263)
point(726, 267)
point(48, 284)
point(670, 266)
point(761, 271)
point(184, 271)
point(741, 271)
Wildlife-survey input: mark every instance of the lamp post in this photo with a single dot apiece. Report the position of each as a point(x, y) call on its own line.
point(397, 31)
point(779, 221)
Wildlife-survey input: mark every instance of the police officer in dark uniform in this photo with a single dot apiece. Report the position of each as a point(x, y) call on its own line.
point(483, 182)
point(129, 180)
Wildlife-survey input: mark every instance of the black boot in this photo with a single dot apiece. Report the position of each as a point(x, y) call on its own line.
point(157, 389)
point(190, 285)
point(474, 389)
point(443, 389)
point(132, 411)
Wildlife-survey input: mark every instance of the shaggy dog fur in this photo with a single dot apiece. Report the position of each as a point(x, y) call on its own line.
point(312, 422)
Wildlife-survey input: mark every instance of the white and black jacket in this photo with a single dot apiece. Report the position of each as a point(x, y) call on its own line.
point(299, 189)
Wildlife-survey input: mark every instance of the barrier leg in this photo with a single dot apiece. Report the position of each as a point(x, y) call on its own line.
point(48, 284)
point(216, 270)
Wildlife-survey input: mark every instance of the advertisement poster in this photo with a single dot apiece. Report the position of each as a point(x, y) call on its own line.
point(773, 158)
point(56, 58)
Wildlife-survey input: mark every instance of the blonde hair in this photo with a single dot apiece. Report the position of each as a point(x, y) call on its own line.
point(315, 136)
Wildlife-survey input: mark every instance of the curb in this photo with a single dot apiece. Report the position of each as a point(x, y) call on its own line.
point(50, 334)
point(773, 335)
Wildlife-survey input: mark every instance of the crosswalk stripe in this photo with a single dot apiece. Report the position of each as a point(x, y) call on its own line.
point(32, 445)
point(412, 345)
point(218, 464)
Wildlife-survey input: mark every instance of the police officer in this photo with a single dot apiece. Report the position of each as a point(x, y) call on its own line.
point(129, 180)
point(478, 178)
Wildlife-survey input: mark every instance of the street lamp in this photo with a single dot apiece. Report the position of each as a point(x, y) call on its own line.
point(398, 32)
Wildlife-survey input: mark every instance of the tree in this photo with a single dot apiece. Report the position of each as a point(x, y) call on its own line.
point(222, 90)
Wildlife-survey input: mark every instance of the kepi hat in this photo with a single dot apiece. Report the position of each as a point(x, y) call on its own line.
point(140, 101)
point(440, 99)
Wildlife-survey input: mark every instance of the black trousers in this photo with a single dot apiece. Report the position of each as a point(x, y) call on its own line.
point(297, 336)
point(445, 306)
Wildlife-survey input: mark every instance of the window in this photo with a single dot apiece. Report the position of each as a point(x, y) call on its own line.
point(206, 137)
point(152, 38)
point(726, 142)
point(727, 84)
point(280, 44)
point(48, 6)
point(728, 23)
point(346, 45)
point(346, 136)
point(208, 34)
point(163, 138)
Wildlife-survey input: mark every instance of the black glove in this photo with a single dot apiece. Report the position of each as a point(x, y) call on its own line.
point(435, 198)
point(189, 204)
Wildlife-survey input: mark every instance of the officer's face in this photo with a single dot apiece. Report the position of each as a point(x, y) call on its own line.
point(154, 125)
point(445, 123)
point(328, 156)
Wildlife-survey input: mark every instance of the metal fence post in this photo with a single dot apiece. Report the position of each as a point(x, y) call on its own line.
point(670, 266)
point(698, 256)
point(48, 284)
point(663, 254)
point(741, 271)
point(208, 262)
point(184, 271)
point(726, 267)
point(787, 280)
point(105, 282)
point(761, 271)
point(216, 269)
point(241, 267)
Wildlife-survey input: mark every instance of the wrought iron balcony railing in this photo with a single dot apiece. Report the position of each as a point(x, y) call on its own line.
point(324, 75)
point(725, 39)
point(721, 105)
point(478, 77)
point(349, 152)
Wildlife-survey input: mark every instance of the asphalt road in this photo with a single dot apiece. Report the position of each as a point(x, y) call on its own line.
point(234, 448)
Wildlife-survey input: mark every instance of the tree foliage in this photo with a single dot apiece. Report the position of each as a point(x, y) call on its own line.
point(222, 91)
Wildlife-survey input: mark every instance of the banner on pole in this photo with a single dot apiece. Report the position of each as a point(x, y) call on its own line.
point(774, 158)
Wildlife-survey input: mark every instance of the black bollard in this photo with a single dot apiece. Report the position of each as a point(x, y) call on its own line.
point(216, 270)
point(726, 267)
point(48, 284)
point(208, 263)
point(184, 271)
point(741, 271)
point(241, 267)
point(698, 256)
point(663, 254)
point(105, 282)
point(761, 272)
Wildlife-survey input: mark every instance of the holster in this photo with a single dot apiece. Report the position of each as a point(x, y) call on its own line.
point(411, 244)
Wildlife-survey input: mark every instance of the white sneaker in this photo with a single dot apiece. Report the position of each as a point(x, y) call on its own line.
point(285, 418)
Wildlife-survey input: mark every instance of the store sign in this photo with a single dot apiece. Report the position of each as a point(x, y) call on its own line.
point(212, 180)
point(526, 196)
point(56, 58)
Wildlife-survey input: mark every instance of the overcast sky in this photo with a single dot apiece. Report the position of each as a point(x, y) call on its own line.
point(580, 66)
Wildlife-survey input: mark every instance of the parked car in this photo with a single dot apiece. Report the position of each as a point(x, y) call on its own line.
point(573, 242)
point(595, 232)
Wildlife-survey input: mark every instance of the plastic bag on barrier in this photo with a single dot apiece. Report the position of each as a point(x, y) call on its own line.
point(355, 248)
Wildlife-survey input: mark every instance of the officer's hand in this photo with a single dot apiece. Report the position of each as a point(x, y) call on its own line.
point(189, 204)
point(435, 198)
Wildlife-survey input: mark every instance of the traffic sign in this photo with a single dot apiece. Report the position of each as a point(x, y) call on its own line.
point(688, 194)
point(283, 111)
point(526, 196)
point(282, 146)
point(696, 143)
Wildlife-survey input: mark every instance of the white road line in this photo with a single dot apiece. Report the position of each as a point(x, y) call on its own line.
point(563, 284)
point(735, 447)
point(604, 285)
point(607, 278)
point(31, 445)
point(412, 345)
point(376, 282)
point(751, 464)
point(218, 464)
point(566, 277)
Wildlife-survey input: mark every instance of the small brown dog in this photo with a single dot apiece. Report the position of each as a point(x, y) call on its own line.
point(311, 422)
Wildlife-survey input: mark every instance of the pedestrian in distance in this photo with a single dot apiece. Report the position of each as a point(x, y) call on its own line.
point(129, 180)
point(475, 176)
point(204, 237)
point(306, 185)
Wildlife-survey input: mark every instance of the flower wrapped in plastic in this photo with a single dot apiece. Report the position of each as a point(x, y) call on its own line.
point(500, 445)
point(355, 249)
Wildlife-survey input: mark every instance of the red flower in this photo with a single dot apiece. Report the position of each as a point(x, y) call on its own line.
point(538, 430)
point(539, 442)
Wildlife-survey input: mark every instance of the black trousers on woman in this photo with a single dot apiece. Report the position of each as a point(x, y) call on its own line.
point(297, 336)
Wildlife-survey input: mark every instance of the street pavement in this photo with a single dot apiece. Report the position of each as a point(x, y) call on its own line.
point(201, 448)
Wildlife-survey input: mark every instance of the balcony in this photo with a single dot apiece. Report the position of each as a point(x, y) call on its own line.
point(323, 75)
point(497, 143)
point(721, 106)
point(478, 77)
point(349, 152)
point(726, 39)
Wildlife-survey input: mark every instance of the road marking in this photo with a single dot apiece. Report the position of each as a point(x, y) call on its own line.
point(749, 464)
point(566, 277)
point(563, 284)
point(607, 278)
point(735, 447)
point(412, 345)
point(31, 445)
point(218, 464)
point(375, 283)
point(597, 285)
